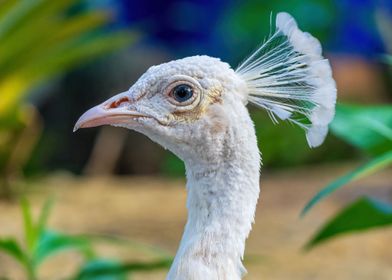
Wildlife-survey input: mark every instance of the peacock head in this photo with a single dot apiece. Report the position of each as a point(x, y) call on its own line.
point(182, 104)
point(188, 105)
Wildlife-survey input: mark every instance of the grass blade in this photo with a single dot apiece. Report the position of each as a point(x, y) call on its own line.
point(368, 168)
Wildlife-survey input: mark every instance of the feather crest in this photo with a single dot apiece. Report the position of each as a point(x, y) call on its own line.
point(288, 77)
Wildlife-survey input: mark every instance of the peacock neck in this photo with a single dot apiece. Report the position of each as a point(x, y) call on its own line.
point(222, 198)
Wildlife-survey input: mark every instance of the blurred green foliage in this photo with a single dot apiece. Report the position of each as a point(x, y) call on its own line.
point(41, 243)
point(363, 214)
point(246, 24)
point(102, 269)
point(366, 169)
point(39, 40)
point(369, 128)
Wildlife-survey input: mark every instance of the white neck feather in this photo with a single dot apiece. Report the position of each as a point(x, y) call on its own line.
point(222, 198)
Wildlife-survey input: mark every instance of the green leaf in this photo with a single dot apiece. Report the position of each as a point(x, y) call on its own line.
point(75, 52)
point(100, 268)
point(29, 229)
point(43, 217)
point(368, 168)
point(51, 243)
point(24, 13)
point(45, 39)
point(44, 35)
point(5, 6)
point(12, 248)
point(365, 127)
point(15, 16)
point(363, 214)
point(32, 231)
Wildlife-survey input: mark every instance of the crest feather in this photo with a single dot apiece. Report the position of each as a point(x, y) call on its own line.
point(288, 77)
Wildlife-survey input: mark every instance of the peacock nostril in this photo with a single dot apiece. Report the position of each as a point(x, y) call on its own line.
point(119, 103)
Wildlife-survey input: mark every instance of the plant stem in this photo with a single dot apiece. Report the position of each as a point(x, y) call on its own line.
point(30, 270)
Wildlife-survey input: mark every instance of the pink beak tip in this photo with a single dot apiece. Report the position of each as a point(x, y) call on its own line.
point(76, 127)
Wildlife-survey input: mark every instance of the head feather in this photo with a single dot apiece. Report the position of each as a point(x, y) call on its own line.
point(288, 77)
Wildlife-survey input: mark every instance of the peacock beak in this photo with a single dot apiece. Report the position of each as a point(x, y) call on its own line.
point(115, 111)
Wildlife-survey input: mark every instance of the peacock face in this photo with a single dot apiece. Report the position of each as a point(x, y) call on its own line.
point(181, 104)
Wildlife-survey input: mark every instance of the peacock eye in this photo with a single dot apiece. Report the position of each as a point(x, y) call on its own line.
point(182, 93)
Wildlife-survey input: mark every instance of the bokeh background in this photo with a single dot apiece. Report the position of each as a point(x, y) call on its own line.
point(59, 58)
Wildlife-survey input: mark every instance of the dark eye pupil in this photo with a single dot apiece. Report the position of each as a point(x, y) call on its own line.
point(182, 93)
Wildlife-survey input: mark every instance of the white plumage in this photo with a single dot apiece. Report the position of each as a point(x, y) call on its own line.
point(289, 78)
point(196, 108)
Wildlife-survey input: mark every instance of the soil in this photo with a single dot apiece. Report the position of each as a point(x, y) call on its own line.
point(152, 211)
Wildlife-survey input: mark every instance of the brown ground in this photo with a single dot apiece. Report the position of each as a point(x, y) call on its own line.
point(153, 211)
